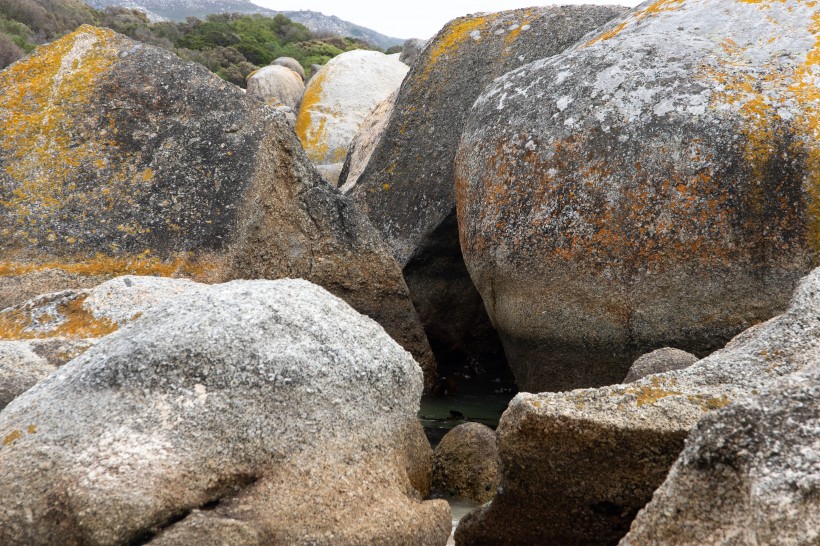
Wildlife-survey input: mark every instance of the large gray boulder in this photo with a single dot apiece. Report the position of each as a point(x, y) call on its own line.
point(337, 100)
point(277, 84)
point(577, 466)
point(408, 186)
point(252, 412)
point(750, 473)
point(653, 186)
point(120, 158)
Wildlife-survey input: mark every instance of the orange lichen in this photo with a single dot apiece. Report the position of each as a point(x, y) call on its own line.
point(710, 403)
point(311, 133)
point(46, 98)
point(806, 93)
point(526, 19)
point(649, 394)
point(758, 98)
point(73, 321)
point(452, 37)
point(115, 266)
point(12, 437)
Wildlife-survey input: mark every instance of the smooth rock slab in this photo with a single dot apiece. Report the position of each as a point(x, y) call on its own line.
point(653, 186)
point(365, 142)
point(577, 466)
point(217, 416)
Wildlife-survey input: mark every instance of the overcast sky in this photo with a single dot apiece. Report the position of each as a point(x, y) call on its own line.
point(413, 19)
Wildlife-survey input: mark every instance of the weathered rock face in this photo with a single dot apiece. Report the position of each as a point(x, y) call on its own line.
point(120, 158)
point(408, 186)
point(641, 190)
point(337, 100)
point(411, 51)
point(577, 466)
point(38, 336)
point(245, 413)
point(276, 83)
point(466, 463)
point(291, 63)
point(365, 141)
point(749, 473)
point(659, 361)
point(23, 364)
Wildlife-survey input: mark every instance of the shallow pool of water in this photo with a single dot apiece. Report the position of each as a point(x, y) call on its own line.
point(439, 414)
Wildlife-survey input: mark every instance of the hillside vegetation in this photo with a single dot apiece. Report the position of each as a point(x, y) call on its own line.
point(230, 45)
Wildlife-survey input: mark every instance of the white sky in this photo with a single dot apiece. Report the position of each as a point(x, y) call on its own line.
point(414, 19)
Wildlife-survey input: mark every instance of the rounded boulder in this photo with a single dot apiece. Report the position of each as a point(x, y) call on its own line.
point(654, 185)
point(466, 463)
point(337, 100)
point(277, 83)
point(243, 414)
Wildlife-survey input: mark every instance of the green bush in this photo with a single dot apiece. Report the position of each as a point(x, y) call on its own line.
point(230, 45)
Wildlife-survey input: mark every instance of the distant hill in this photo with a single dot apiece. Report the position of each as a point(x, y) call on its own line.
point(330, 24)
point(178, 10)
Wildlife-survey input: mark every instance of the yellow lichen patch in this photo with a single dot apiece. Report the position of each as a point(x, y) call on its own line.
point(115, 266)
point(655, 8)
point(710, 403)
point(48, 142)
point(526, 19)
point(12, 437)
point(73, 321)
point(761, 93)
point(649, 394)
point(32, 429)
point(312, 133)
point(805, 92)
point(453, 36)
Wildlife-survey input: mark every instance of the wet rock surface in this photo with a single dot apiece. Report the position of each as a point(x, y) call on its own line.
point(408, 187)
point(652, 186)
point(577, 466)
point(120, 158)
point(242, 414)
